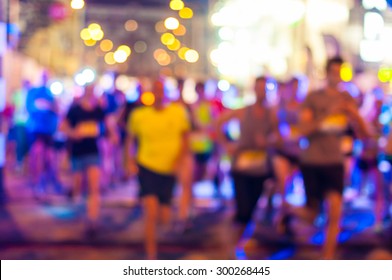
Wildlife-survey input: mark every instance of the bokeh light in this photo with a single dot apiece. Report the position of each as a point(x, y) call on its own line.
point(191, 56)
point(106, 45)
point(131, 25)
point(123, 83)
point(182, 51)
point(160, 27)
point(186, 13)
point(90, 42)
point(176, 5)
point(171, 23)
point(109, 58)
point(167, 38)
point(385, 74)
point(77, 4)
point(346, 72)
point(175, 46)
point(56, 87)
point(120, 56)
point(147, 98)
point(140, 47)
point(180, 31)
point(126, 49)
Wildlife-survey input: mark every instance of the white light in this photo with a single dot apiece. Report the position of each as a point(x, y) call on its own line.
point(79, 79)
point(384, 166)
point(171, 23)
point(132, 95)
point(120, 56)
point(56, 88)
point(89, 75)
point(223, 85)
point(189, 94)
point(380, 5)
point(325, 12)
point(294, 11)
point(106, 82)
point(372, 51)
point(77, 4)
point(123, 83)
point(171, 89)
point(226, 33)
point(234, 129)
point(373, 25)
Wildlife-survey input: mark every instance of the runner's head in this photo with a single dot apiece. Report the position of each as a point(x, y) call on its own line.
point(333, 71)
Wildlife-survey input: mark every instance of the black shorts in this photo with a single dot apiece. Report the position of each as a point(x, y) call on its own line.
point(319, 180)
point(159, 185)
point(46, 139)
point(247, 192)
point(367, 164)
point(202, 158)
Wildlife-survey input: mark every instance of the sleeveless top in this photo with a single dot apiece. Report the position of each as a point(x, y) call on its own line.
point(250, 159)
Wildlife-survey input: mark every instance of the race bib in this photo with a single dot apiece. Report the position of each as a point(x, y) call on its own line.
point(251, 161)
point(200, 142)
point(294, 132)
point(88, 129)
point(334, 123)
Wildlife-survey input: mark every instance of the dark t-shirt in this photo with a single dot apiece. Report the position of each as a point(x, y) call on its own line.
point(89, 121)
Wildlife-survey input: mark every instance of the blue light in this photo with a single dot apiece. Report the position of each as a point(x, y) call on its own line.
point(303, 143)
point(318, 238)
point(132, 95)
point(283, 254)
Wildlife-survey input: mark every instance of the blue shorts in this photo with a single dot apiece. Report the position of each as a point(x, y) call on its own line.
point(81, 163)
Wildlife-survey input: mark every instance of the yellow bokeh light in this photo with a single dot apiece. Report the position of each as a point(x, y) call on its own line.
point(109, 58)
point(385, 74)
point(94, 26)
point(346, 72)
point(147, 98)
point(125, 48)
point(181, 52)
point(191, 56)
point(90, 42)
point(176, 5)
point(106, 45)
point(186, 13)
point(171, 23)
point(131, 25)
point(175, 46)
point(180, 31)
point(167, 38)
point(85, 34)
point(77, 4)
point(97, 35)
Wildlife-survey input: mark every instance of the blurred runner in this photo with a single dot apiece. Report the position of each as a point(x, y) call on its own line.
point(251, 163)
point(82, 127)
point(324, 116)
point(162, 134)
point(41, 125)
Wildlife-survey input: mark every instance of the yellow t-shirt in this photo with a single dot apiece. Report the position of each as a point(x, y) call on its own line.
point(159, 134)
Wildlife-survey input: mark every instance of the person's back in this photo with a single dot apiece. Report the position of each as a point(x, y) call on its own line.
point(41, 106)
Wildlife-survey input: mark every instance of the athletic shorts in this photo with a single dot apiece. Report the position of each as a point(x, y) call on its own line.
point(81, 163)
point(319, 180)
point(159, 185)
